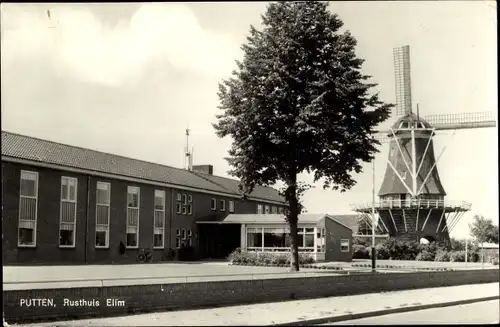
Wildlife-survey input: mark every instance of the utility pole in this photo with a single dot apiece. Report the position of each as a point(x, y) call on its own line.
point(373, 218)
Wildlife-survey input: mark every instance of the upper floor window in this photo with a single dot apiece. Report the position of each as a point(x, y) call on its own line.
point(103, 196)
point(159, 219)
point(274, 209)
point(222, 205)
point(231, 206)
point(260, 211)
point(184, 204)
point(267, 209)
point(213, 204)
point(67, 219)
point(133, 217)
point(28, 207)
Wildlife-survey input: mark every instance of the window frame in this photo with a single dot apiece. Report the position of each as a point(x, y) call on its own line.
point(267, 209)
point(129, 187)
point(178, 242)
point(231, 206)
point(260, 209)
point(108, 205)
point(154, 218)
point(222, 204)
point(28, 172)
point(213, 204)
point(183, 234)
point(342, 245)
point(68, 200)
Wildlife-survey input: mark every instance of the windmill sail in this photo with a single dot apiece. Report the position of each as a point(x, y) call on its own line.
point(403, 80)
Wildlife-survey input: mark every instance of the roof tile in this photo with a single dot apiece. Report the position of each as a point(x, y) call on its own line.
point(38, 150)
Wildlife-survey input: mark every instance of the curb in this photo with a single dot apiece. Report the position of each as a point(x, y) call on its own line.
point(376, 313)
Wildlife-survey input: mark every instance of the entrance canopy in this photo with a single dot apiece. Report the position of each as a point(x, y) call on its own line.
point(274, 219)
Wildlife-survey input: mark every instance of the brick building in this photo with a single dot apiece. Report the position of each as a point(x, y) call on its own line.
point(70, 205)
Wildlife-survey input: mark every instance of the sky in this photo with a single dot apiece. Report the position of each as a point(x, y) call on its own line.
point(129, 78)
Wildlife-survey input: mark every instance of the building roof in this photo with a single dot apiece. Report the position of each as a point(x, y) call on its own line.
point(489, 246)
point(350, 221)
point(66, 156)
point(279, 219)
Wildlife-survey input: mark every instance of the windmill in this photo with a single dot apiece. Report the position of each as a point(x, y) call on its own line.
point(412, 202)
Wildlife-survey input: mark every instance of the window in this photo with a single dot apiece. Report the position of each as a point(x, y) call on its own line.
point(179, 203)
point(103, 195)
point(177, 243)
point(190, 205)
point(254, 238)
point(213, 204)
point(177, 232)
point(184, 210)
point(321, 243)
point(183, 234)
point(28, 204)
point(231, 206)
point(67, 222)
point(274, 209)
point(184, 199)
point(259, 209)
point(190, 233)
point(132, 217)
point(306, 238)
point(190, 243)
point(222, 205)
point(276, 238)
point(267, 209)
point(281, 210)
point(159, 219)
point(344, 245)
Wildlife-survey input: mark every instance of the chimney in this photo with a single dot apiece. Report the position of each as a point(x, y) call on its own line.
point(204, 169)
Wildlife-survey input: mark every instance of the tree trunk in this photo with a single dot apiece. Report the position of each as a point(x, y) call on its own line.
point(292, 218)
point(294, 260)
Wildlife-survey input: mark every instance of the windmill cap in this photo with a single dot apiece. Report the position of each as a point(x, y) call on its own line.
point(404, 121)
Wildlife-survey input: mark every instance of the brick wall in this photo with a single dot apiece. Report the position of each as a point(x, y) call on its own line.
point(147, 298)
point(47, 250)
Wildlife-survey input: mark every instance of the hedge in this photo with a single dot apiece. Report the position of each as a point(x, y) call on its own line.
point(267, 258)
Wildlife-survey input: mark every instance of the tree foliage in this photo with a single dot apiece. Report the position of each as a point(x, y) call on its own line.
point(483, 230)
point(298, 102)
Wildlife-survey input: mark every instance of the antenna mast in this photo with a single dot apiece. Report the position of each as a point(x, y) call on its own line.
point(187, 154)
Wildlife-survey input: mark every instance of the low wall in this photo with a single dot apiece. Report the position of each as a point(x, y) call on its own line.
point(53, 304)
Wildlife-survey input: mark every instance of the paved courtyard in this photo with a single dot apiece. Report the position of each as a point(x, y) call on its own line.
point(23, 277)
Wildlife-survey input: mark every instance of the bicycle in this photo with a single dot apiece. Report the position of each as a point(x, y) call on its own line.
point(145, 255)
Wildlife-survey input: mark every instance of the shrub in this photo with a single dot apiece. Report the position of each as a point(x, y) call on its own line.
point(473, 256)
point(426, 255)
point(267, 258)
point(442, 255)
point(401, 250)
point(360, 241)
point(360, 252)
point(381, 251)
point(304, 258)
point(457, 256)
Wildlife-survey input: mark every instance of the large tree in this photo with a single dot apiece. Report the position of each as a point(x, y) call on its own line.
point(298, 102)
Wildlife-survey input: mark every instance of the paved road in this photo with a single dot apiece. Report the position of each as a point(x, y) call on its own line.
point(476, 313)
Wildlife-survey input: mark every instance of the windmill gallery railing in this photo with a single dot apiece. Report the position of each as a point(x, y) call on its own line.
point(413, 203)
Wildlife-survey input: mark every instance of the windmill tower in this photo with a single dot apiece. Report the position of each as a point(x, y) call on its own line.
point(412, 202)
